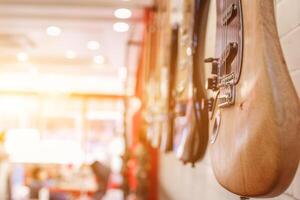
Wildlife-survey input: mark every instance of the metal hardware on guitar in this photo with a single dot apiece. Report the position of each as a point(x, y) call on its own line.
point(226, 69)
point(215, 65)
point(224, 77)
point(212, 83)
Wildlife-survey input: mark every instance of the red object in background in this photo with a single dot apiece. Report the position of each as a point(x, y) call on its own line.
point(138, 122)
point(132, 165)
point(73, 192)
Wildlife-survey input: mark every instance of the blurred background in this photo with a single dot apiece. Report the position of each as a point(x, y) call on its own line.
point(71, 99)
point(67, 90)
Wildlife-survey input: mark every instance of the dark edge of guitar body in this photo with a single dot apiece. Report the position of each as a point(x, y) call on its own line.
point(199, 105)
point(167, 140)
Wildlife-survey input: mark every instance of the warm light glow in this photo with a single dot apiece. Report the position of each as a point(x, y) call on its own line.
point(122, 73)
point(15, 105)
point(93, 45)
point(121, 27)
point(55, 83)
point(123, 13)
point(70, 54)
point(33, 71)
point(22, 144)
point(104, 115)
point(189, 51)
point(99, 59)
point(53, 31)
point(26, 146)
point(116, 164)
point(22, 57)
point(135, 104)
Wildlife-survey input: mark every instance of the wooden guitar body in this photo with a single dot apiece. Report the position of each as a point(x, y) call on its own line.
point(256, 139)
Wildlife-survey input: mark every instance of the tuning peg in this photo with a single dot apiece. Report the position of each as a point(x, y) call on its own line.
point(210, 60)
point(212, 83)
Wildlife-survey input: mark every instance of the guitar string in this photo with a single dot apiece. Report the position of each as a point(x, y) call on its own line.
point(237, 36)
point(226, 29)
point(234, 33)
point(236, 39)
point(224, 36)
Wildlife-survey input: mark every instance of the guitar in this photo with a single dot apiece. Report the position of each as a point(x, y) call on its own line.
point(254, 112)
point(149, 80)
point(159, 84)
point(191, 117)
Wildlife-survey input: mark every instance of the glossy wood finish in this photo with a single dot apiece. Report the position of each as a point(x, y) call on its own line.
point(256, 152)
point(159, 83)
point(191, 121)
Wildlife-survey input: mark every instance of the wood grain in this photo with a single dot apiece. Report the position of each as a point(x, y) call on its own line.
point(257, 150)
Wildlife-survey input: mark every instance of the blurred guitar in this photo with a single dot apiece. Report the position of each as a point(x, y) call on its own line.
point(159, 82)
point(191, 117)
point(255, 111)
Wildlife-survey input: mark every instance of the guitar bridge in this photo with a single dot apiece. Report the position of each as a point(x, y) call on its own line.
point(227, 91)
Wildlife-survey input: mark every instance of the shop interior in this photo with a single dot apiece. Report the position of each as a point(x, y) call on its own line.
point(85, 99)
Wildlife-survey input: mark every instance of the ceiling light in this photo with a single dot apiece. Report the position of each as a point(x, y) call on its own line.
point(121, 27)
point(93, 45)
point(53, 31)
point(22, 57)
point(99, 59)
point(123, 13)
point(70, 54)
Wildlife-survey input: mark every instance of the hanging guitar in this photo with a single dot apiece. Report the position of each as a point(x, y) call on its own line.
point(191, 117)
point(160, 82)
point(255, 111)
point(151, 95)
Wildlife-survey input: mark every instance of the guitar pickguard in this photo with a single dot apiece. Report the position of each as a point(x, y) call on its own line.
point(226, 69)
